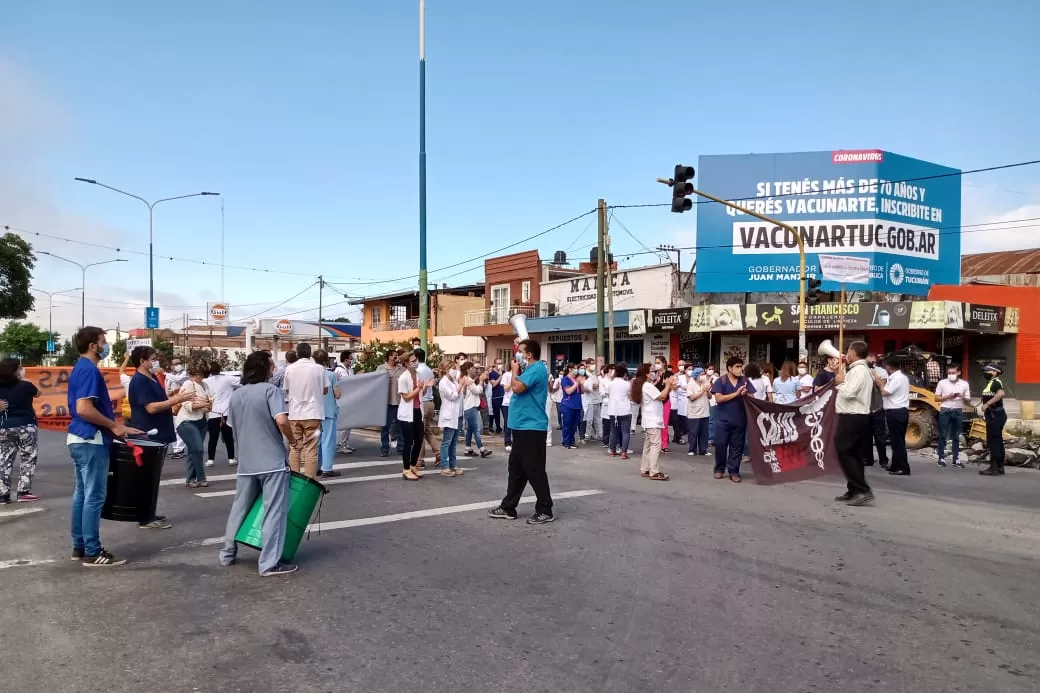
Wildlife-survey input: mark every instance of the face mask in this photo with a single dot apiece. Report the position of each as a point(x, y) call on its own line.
point(689, 372)
point(711, 373)
point(103, 351)
point(581, 371)
point(178, 368)
point(454, 373)
point(988, 376)
point(154, 368)
point(657, 366)
point(802, 371)
point(952, 377)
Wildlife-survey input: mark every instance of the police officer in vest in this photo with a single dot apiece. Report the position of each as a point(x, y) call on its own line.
point(996, 417)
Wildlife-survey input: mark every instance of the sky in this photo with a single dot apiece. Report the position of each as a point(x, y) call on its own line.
point(305, 118)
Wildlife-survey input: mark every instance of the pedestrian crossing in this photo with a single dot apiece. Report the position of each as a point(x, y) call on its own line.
point(342, 466)
point(334, 482)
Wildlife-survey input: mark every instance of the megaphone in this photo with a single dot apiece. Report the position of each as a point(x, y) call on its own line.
point(519, 323)
point(828, 349)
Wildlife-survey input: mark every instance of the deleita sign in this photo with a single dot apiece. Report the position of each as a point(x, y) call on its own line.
point(901, 213)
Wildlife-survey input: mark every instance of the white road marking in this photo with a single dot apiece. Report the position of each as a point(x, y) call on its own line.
point(21, 511)
point(398, 517)
point(25, 563)
point(331, 482)
point(385, 462)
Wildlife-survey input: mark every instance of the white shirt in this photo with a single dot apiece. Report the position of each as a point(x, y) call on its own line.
point(507, 385)
point(712, 377)
point(220, 387)
point(405, 407)
point(854, 394)
point(618, 401)
point(451, 403)
point(305, 384)
point(592, 396)
point(697, 408)
point(473, 393)
point(186, 413)
point(342, 373)
point(805, 385)
point(762, 387)
point(424, 372)
point(652, 408)
point(175, 380)
point(898, 388)
point(678, 395)
point(959, 388)
point(555, 391)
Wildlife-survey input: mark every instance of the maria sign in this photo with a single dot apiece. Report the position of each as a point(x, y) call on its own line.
point(902, 214)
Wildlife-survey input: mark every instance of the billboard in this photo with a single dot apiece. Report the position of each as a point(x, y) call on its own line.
point(218, 314)
point(901, 213)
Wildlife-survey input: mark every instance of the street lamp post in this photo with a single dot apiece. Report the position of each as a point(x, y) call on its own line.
point(50, 307)
point(83, 285)
point(151, 207)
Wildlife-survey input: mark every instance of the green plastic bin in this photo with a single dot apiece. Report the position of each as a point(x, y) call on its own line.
point(304, 495)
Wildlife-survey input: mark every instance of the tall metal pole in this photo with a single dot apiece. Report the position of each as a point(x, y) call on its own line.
point(601, 230)
point(424, 291)
point(610, 293)
point(151, 259)
point(83, 298)
point(221, 249)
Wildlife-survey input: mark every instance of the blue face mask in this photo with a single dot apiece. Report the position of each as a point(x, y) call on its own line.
point(104, 352)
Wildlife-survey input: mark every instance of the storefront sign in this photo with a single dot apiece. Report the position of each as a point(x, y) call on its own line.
point(991, 319)
point(904, 315)
point(721, 318)
point(561, 337)
point(670, 320)
point(645, 287)
point(659, 346)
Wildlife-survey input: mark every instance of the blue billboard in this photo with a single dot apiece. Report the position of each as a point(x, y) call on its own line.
point(903, 213)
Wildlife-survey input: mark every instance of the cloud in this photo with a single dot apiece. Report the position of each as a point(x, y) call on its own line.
point(1011, 218)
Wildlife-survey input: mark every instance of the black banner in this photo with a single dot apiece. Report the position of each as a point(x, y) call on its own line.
point(669, 320)
point(827, 316)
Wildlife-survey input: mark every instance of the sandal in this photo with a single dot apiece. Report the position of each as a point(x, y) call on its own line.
point(735, 478)
point(645, 474)
point(660, 476)
point(457, 472)
point(447, 472)
point(410, 476)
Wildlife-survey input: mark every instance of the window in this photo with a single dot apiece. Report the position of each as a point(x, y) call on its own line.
point(506, 355)
point(398, 313)
point(525, 292)
point(377, 317)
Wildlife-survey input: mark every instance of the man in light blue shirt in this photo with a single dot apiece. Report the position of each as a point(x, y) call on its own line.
point(327, 446)
point(529, 423)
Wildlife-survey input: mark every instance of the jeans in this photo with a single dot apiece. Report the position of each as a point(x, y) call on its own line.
point(507, 433)
point(729, 447)
point(571, 418)
point(449, 443)
point(193, 433)
point(473, 425)
point(274, 487)
point(950, 424)
point(897, 420)
point(697, 432)
point(391, 427)
point(711, 425)
point(327, 447)
point(496, 413)
point(527, 466)
point(219, 429)
point(91, 464)
point(620, 433)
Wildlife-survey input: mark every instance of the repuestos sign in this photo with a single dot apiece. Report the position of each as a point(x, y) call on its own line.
point(901, 213)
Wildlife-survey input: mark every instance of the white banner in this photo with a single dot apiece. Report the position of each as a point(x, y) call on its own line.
point(845, 269)
point(132, 344)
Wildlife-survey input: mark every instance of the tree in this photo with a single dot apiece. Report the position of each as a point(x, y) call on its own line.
point(16, 264)
point(26, 340)
point(118, 350)
point(340, 319)
point(164, 348)
point(375, 355)
point(69, 354)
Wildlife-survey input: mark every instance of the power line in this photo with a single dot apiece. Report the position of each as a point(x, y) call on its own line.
point(279, 305)
point(986, 169)
point(630, 234)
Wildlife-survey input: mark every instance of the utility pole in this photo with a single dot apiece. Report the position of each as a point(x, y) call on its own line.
point(609, 289)
point(424, 290)
point(322, 339)
point(601, 232)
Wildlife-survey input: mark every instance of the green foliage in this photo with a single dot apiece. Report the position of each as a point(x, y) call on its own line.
point(26, 340)
point(375, 355)
point(69, 355)
point(118, 350)
point(16, 265)
point(164, 348)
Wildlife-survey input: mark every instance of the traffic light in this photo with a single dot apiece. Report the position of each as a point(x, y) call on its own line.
point(682, 189)
point(812, 291)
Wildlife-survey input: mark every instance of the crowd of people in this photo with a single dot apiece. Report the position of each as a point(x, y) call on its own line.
point(278, 418)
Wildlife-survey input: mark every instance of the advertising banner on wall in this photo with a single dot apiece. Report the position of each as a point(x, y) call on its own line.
point(901, 213)
point(903, 315)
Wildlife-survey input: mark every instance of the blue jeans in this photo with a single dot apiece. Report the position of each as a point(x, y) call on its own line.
point(507, 432)
point(449, 443)
point(91, 463)
point(711, 425)
point(571, 419)
point(950, 424)
point(729, 447)
point(697, 434)
point(384, 432)
point(193, 435)
point(473, 426)
point(620, 433)
point(327, 444)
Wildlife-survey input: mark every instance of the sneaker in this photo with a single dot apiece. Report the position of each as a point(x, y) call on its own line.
point(845, 497)
point(860, 499)
point(689, 454)
point(232, 463)
point(469, 453)
point(103, 560)
point(27, 497)
point(548, 443)
point(384, 453)
point(540, 519)
point(331, 474)
point(176, 455)
point(157, 523)
point(77, 553)
point(605, 445)
point(210, 463)
point(509, 448)
point(500, 514)
point(485, 453)
point(630, 452)
point(942, 463)
point(280, 569)
point(959, 465)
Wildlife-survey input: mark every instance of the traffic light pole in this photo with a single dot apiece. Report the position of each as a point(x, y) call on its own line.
point(601, 232)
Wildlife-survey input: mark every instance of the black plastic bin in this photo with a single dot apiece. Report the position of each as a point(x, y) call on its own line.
point(133, 481)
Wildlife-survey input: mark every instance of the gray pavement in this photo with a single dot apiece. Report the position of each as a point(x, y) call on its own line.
point(689, 585)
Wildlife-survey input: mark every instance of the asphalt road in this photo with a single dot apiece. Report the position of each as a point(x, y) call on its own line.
point(689, 585)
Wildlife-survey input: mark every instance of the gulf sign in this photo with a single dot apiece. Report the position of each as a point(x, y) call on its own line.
point(901, 214)
point(284, 327)
point(218, 313)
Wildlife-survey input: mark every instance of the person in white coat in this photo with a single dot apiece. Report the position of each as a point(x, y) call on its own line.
point(452, 397)
point(592, 399)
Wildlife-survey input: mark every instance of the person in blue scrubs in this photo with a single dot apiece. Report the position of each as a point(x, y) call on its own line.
point(730, 419)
